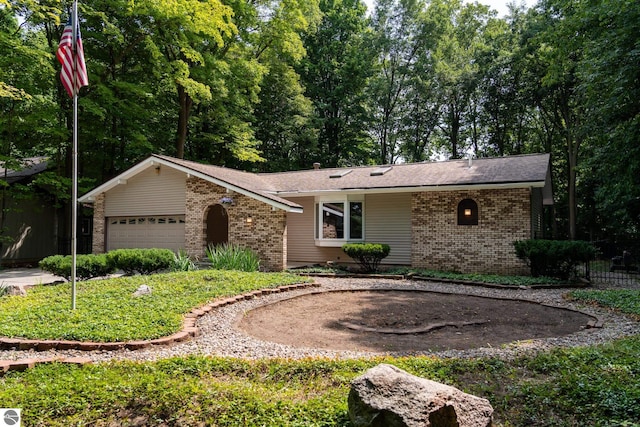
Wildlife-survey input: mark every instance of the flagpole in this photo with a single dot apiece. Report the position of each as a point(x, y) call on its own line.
point(74, 154)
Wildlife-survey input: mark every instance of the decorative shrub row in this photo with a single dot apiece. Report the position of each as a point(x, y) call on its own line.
point(367, 255)
point(143, 261)
point(554, 258)
point(87, 266)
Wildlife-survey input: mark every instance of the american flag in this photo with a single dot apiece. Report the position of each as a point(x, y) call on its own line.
point(65, 57)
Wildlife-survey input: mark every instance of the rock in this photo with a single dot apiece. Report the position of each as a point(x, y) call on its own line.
point(17, 290)
point(142, 290)
point(390, 397)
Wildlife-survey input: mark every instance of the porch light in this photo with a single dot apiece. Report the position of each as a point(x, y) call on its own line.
point(226, 201)
point(467, 212)
point(249, 220)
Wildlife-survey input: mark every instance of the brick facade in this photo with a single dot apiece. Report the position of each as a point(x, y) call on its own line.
point(99, 231)
point(266, 234)
point(439, 243)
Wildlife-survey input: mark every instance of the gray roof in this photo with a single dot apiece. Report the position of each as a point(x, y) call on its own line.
point(237, 179)
point(482, 172)
point(500, 172)
point(30, 166)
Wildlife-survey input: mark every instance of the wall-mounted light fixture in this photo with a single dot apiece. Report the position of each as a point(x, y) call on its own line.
point(467, 212)
point(249, 220)
point(158, 170)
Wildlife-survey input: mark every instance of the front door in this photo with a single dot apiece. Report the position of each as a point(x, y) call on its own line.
point(217, 225)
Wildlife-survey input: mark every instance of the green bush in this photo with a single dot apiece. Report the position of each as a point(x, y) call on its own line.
point(554, 258)
point(367, 255)
point(143, 261)
point(87, 266)
point(233, 257)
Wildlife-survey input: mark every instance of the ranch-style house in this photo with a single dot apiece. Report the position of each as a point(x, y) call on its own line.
point(459, 215)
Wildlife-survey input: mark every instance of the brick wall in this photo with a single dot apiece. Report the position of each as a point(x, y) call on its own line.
point(266, 234)
point(439, 243)
point(99, 231)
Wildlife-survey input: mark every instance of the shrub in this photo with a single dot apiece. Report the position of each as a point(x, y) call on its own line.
point(554, 258)
point(233, 257)
point(367, 255)
point(87, 266)
point(143, 261)
point(182, 262)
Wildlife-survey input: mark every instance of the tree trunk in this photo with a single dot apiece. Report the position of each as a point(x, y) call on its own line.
point(572, 147)
point(185, 103)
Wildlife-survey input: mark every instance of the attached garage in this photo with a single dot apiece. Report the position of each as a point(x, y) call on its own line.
point(146, 232)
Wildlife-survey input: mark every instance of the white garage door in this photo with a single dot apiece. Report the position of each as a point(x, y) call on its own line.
point(146, 232)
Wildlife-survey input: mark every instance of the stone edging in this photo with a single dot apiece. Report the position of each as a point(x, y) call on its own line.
point(189, 329)
point(417, 277)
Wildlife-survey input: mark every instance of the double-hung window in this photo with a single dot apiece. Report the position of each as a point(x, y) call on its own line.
point(339, 220)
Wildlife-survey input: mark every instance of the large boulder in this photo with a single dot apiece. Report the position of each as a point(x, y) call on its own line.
point(390, 397)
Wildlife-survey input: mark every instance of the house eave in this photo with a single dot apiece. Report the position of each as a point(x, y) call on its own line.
point(413, 189)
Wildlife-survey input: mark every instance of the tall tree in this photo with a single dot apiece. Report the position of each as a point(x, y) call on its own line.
point(185, 33)
point(335, 72)
point(460, 44)
point(399, 40)
point(559, 40)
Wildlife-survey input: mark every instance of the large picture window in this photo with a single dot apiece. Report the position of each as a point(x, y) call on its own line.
point(338, 221)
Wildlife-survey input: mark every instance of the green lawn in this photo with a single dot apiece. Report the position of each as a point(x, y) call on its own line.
point(592, 386)
point(107, 310)
point(579, 387)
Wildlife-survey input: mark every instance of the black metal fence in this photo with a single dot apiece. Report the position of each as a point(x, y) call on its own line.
point(617, 263)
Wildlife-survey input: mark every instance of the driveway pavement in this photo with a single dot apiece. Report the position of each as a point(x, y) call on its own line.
point(26, 276)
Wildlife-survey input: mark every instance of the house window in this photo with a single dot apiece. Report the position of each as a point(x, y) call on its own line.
point(467, 212)
point(338, 221)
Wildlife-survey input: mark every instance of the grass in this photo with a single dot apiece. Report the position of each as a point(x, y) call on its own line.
point(590, 386)
point(107, 311)
point(625, 301)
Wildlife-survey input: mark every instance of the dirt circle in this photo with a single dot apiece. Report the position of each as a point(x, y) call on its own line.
point(405, 321)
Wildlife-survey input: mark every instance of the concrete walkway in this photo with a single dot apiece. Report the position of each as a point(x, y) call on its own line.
point(27, 276)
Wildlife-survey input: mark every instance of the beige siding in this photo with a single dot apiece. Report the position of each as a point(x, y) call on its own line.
point(152, 192)
point(388, 220)
point(301, 244)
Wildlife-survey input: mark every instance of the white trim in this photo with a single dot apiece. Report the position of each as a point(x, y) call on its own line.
point(387, 190)
point(346, 200)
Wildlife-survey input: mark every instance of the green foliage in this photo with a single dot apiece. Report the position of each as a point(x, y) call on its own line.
point(624, 300)
point(230, 256)
point(108, 311)
point(87, 266)
point(486, 278)
point(554, 258)
point(143, 261)
point(367, 255)
point(462, 277)
point(183, 262)
point(560, 388)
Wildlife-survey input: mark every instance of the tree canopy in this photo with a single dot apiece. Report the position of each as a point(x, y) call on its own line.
point(273, 85)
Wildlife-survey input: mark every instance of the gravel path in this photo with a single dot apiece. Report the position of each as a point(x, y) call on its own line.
point(220, 337)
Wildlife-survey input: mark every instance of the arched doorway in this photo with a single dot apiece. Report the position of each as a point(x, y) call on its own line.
point(217, 225)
